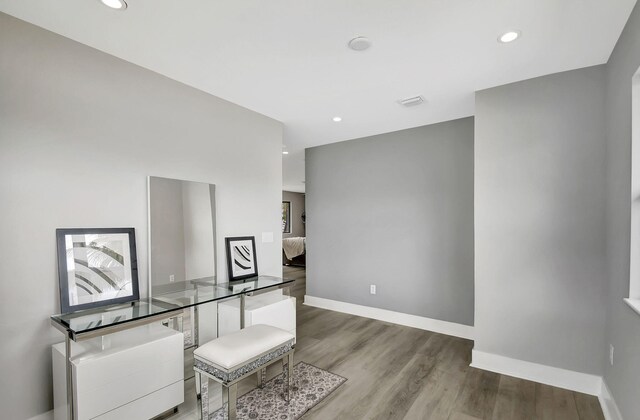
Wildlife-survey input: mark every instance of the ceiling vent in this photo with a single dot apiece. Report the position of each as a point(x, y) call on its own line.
point(416, 100)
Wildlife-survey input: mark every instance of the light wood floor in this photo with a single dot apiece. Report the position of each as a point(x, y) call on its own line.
point(397, 372)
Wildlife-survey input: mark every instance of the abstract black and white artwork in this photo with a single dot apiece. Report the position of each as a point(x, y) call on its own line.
point(96, 267)
point(241, 257)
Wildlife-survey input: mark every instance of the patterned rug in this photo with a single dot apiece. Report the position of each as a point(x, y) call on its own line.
point(310, 386)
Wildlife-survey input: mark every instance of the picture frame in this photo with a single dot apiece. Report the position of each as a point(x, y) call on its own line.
point(286, 217)
point(96, 267)
point(241, 257)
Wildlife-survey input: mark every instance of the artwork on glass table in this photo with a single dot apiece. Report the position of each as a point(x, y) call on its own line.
point(241, 257)
point(286, 217)
point(96, 267)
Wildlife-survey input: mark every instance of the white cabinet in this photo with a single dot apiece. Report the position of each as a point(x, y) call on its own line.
point(132, 374)
point(272, 308)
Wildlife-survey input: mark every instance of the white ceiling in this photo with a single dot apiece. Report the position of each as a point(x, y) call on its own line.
point(288, 58)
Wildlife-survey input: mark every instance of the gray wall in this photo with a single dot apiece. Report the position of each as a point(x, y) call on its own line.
point(623, 325)
point(297, 207)
point(80, 131)
point(395, 210)
point(540, 220)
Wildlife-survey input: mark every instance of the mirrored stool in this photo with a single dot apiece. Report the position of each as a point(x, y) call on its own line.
point(235, 356)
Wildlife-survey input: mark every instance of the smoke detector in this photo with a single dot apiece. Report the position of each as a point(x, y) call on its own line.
point(416, 100)
point(359, 43)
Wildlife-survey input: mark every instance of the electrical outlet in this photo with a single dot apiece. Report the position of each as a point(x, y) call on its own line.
point(172, 278)
point(611, 354)
point(372, 289)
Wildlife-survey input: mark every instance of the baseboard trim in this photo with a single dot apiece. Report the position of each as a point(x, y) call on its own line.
point(423, 323)
point(44, 416)
point(561, 378)
point(608, 404)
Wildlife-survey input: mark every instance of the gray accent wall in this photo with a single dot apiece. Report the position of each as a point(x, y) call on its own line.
point(623, 324)
point(394, 210)
point(540, 220)
point(297, 201)
point(80, 131)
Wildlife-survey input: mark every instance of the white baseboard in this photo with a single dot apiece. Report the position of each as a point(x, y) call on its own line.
point(44, 416)
point(435, 325)
point(608, 404)
point(561, 378)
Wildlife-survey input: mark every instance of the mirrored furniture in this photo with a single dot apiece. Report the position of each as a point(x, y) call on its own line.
point(231, 358)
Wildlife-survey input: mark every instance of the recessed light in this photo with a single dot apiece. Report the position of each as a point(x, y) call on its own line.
point(337, 119)
point(359, 43)
point(509, 36)
point(115, 4)
point(284, 152)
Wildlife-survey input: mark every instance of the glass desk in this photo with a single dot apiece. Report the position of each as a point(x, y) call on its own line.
point(84, 325)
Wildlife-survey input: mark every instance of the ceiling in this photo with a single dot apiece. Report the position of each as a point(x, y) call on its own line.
point(288, 59)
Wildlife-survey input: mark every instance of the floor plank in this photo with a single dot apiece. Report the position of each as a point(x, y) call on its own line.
point(555, 403)
point(515, 399)
point(479, 392)
point(588, 407)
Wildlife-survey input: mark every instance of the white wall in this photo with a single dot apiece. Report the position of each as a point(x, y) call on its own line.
point(540, 220)
point(623, 324)
point(80, 131)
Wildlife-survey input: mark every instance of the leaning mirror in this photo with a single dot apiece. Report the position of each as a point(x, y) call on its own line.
point(182, 234)
point(182, 252)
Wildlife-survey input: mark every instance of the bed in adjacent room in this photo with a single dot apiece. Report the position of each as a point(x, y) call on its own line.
point(293, 251)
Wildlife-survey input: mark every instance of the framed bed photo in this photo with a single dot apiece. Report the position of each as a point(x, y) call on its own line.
point(241, 257)
point(96, 267)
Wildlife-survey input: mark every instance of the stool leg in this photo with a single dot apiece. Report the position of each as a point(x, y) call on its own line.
point(204, 396)
point(290, 371)
point(198, 382)
point(262, 377)
point(232, 398)
point(286, 377)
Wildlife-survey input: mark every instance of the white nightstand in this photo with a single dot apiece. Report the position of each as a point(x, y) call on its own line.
point(136, 373)
point(272, 308)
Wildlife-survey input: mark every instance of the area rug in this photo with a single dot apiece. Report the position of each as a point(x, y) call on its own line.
point(310, 386)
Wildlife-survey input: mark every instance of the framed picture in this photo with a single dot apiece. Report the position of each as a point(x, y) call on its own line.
point(241, 257)
point(96, 267)
point(286, 217)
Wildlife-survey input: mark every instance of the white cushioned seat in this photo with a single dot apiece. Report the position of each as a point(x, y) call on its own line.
point(235, 349)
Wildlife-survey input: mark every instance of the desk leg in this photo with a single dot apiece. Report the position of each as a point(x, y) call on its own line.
point(242, 302)
point(71, 415)
point(195, 324)
point(195, 340)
